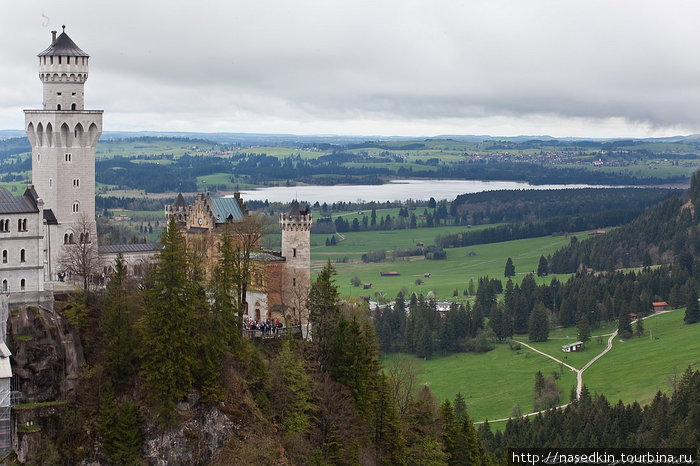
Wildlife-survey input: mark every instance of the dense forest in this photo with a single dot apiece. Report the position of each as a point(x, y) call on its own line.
point(151, 344)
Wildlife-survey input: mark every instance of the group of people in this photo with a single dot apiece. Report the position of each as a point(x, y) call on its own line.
point(267, 327)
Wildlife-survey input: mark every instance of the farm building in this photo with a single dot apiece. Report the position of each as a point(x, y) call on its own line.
point(659, 306)
point(572, 347)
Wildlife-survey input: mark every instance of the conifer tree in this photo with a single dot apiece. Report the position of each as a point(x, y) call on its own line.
point(324, 312)
point(542, 267)
point(292, 388)
point(460, 407)
point(692, 310)
point(639, 327)
point(539, 323)
point(583, 328)
point(510, 269)
point(624, 324)
point(168, 347)
point(115, 323)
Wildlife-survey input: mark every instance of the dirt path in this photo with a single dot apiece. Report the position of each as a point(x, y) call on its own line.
point(579, 372)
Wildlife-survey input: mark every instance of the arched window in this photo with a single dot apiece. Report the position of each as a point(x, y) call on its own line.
point(4, 286)
point(24, 224)
point(22, 284)
point(72, 107)
point(70, 238)
point(65, 238)
point(76, 207)
point(22, 256)
point(4, 256)
point(58, 107)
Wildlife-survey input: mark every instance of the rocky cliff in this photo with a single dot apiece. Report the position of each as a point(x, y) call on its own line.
point(46, 354)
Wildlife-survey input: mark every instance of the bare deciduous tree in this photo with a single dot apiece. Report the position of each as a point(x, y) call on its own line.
point(239, 243)
point(80, 257)
point(402, 380)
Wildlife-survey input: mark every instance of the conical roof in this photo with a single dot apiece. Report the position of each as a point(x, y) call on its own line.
point(180, 201)
point(297, 210)
point(64, 46)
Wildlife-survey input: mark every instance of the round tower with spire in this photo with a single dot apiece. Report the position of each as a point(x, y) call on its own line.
point(63, 136)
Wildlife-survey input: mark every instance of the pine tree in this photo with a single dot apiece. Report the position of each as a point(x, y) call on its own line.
point(168, 349)
point(424, 342)
point(115, 323)
point(292, 388)
point(324, 312)
point(460, 407)
point(583, 328)
point(692, 310)
point(639, 327)
point(624, 324)
point(539, 323)
point(510, 269)
point(542, 267)
point(119, 426)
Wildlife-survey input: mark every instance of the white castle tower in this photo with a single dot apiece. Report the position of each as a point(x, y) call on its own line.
point(63, 136)
point(296, 249)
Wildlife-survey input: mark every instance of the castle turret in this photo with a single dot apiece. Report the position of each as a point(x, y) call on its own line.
point(296, 249)
point(63, 136)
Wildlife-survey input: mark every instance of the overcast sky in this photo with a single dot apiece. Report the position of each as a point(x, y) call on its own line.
point(587, 68)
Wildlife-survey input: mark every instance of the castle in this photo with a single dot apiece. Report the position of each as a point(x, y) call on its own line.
point(56, 213)
point(279, 282)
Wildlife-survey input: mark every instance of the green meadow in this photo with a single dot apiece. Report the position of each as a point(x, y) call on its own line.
point(635, 369)
point(453, 273)
point(492, 383)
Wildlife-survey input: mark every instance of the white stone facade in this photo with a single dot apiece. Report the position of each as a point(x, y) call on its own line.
point(21, 245)
point(63, 136)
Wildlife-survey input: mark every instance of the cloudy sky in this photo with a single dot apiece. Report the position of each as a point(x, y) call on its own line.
point(588, 68)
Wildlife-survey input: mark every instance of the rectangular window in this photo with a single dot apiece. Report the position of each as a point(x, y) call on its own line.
point(294, 252)
point(76, 183)
point(69, 157)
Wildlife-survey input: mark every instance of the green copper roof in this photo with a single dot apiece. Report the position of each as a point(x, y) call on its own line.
point(225, 209)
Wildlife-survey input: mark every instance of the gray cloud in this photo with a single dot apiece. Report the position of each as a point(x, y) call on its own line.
point(380, 67)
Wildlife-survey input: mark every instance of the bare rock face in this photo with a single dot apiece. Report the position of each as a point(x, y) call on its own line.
point(46, 353)
point(194, 441)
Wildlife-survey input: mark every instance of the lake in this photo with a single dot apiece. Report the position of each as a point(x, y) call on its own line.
point(396, 190)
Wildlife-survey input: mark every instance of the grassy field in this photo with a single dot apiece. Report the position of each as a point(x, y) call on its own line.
point(445, 275)
point(639, 367)
point(491, 383)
